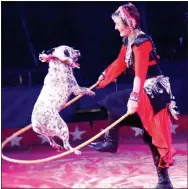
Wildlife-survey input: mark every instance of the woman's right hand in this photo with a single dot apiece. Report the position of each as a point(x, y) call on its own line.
point(100, 79)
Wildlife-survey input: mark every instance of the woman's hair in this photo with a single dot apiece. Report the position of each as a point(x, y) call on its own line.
point(133, 12)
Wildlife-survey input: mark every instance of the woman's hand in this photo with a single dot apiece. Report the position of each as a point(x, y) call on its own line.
point(132, 106)
point(101, 78)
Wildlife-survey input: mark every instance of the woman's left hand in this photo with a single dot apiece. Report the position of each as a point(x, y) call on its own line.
point(132, 106)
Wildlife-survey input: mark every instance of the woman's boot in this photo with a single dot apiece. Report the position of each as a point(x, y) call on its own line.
point(163, 177)
point(110, 141)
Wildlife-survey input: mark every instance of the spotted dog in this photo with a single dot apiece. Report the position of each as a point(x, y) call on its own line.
point(59, 84)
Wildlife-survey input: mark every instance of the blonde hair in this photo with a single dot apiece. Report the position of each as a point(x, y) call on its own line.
point(133, 14)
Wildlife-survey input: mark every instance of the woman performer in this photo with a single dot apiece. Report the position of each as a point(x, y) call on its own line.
point(150, 102)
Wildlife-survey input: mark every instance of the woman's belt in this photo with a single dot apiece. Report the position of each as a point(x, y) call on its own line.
point(153, 71)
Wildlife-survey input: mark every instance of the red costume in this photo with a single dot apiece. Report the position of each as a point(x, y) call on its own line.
point(157, 125)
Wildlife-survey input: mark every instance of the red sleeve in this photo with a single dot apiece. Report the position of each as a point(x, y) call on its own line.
point(114, 69)
point(141, 55)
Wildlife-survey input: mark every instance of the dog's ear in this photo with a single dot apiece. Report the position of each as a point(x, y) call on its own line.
point(50, 51)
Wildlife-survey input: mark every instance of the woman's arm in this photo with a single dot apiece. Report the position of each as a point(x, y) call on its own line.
point(141, 55)
point(114, 69)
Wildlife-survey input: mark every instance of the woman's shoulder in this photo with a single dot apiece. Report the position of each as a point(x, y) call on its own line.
point(143, 37)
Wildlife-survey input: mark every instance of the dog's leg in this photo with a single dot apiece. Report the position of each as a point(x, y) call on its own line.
point(66, 144)
point(77, 90)
point(64, 135)
point(58, 147)
point(83, 91)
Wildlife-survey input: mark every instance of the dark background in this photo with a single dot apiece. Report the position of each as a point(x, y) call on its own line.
point(30, 27)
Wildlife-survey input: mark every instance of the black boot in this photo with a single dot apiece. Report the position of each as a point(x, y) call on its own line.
point(110, 142)
point(164, 181)
point(163, 177)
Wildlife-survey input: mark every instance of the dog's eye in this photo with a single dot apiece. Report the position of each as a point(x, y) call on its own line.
point(66, 52)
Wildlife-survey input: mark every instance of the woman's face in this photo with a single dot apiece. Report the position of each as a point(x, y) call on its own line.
point(123, 29)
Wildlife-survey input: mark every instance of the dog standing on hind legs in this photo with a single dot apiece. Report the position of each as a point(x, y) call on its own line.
point(59, 84)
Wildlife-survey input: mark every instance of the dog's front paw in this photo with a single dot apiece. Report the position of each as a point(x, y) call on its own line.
point(77, 152)
point(90, 93)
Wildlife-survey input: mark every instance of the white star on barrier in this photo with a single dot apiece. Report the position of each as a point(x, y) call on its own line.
point(77, 134)
point(43, 139)
point(138, 131)
point(173, 128)
point(15, 141)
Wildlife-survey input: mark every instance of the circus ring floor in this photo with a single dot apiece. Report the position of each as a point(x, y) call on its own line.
point(130, 167)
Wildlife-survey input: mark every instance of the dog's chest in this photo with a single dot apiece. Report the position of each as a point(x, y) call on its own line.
point(59, 75)
point(57, 86)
